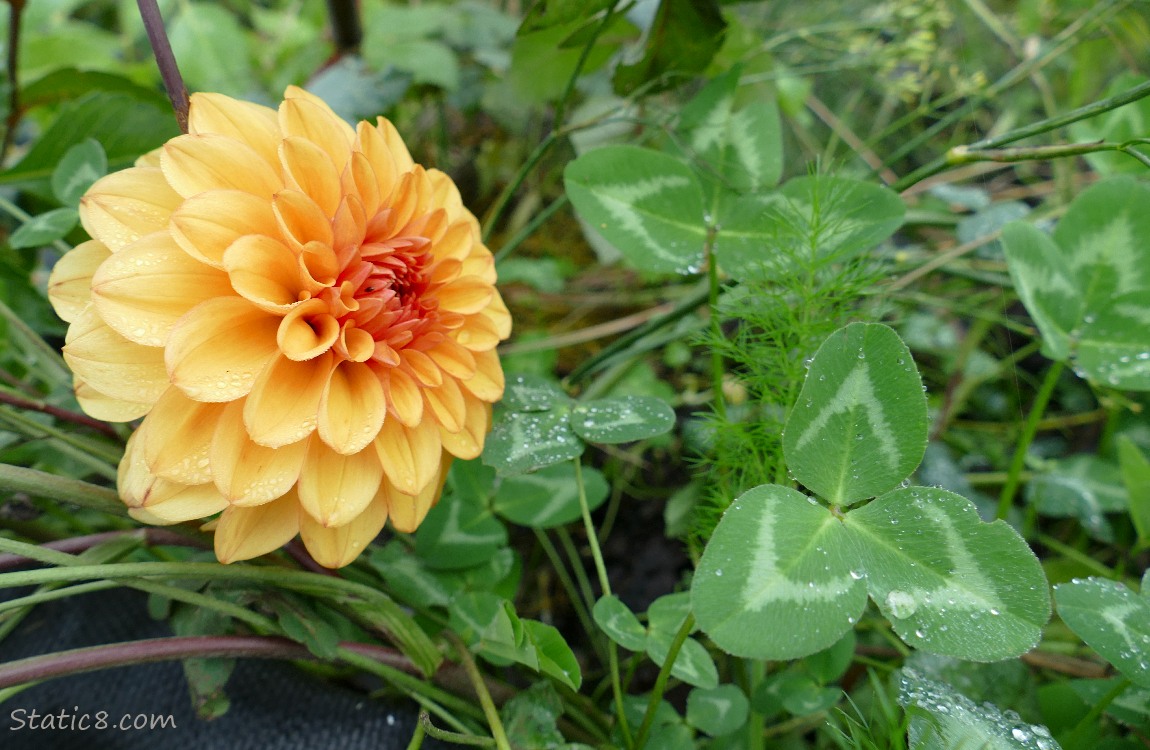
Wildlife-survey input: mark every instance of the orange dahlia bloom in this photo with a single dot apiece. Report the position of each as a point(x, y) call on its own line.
point(306, 317)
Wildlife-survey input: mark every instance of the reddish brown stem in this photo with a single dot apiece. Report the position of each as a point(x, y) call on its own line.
point(166, 60)
point(55, 411)
point(15, 15)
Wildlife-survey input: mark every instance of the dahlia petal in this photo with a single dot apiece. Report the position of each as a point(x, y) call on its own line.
point(352, 408)
point(336, 547)
point(478, 333)
point(145, 288)
point(207, 224)
point(243, 533)
point(379, 158)
point(311, 119)
point(445, 194)
point(309, 169)
point(466, 295)
point(355, 344)
point(358, 178)
point(124, 206)
point(498, 314)
point(149, 159)
point(216, 352)
point(468, 442)
point(486, 382)
point(402, 394)
point(252, 124)
point(172, 503)
point(307, 330)
point(454, 359)
point(194, 164)
point(399, 153)
point(113, 365)
point(264, 272)
point(334, 488)
point(480, 264)
point(132, 475)
point(348, 225)
point(409, 455)
point(457, 241)
point(407, 201)
point(248, 473)
point(408, 511)
point(447, 404)
point(104, 407)
point(301, 219)
point(285, 398)
point(179, 437)
point(426, 372)
point(444, 271)
point(70, 285)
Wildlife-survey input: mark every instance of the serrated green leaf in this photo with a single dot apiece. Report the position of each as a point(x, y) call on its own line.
point(620, 624)
point(949, 583)
point(82, 165)
point(532, 393)
point(1086, 287)
point(859, 426)
point(548, 497)
point(1136, 476)
point(717, 711)
point(45, 228)
point(623, 419)
point(693, 665)
point(525, 441)
point(1112, 619)
point(944, 719)
point(458, 534)
point(647, 204)
point(1084, 487)
point(776, 581)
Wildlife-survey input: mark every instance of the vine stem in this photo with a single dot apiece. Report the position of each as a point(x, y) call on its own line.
point(717, 368)
point(1029, 430)
point(165, 60)
point(485, 700)
point(661, 681)
point(43, 484)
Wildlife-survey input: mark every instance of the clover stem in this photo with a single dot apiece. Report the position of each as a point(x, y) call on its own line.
point(1029, 430)
point(661, 681)
point(485, 700)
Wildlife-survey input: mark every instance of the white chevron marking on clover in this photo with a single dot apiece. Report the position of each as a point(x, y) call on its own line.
point(767, 583)
point(710, 130)
point(857, 390)
point(976, 589)
point(620, 198)
point(1110, 246)
point(1116, 616)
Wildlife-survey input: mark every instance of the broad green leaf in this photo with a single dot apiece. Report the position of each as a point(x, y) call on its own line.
point(1119, 125)
point(620, 624)
point(547, 13)
point(458, 534)
point(548, 497)
point(1084, 487)
point(532, 393)
point(776, 579)
point(717, 711)
point(666, 614)
point(212, 48)
point(524, 441)
point(531, 717)
point(818, 219)
point(69, 83)
point(382, 612)
point(830, 663)
point(407, 577)
point(1136, 477)
point(949, 583)
point(622, 419)
point(645, 203)
point(859, 426)
point(944, 719)
point(541, 64)
point(1086, 286)
point(45, 228)
point(693, 665)
point(303, 624)
point(682, 40)
point(1112, 619)
point(82, 165)
point(554, 655)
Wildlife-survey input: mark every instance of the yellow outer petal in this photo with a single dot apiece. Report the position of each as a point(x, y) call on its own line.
point(145, 288)
point(466, 295)
point(307, 331)
point(404, 400)
point(111, 364)
point(70, 285)
point(253, 124)
point(409, 455)
point(124, 206)
point(446, 403)
point(310, 170)
point(218, 349)
point(177, 503)
point(132, 476)
point(339, 546)
point(207, 224)
point(486, 382)
point(283, 405)
point(194, 164)
point(103, 406)
point(408, 511)
point(245, 472)
point(179, 438)
point(301, 220)
point(244, 533)
point(352, 408)
point(468, 442)
point(310, 118)
point(446, 195)
point(264, 272)
point(333, 488)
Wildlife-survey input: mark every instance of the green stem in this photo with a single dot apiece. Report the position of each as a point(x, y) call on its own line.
point(485, 700)
point(1073, 553)
point(1089, 722)
point(43, 484)
point(569, 90)
point(567, 582)
point(717, 365)
point(576, 565)
point(960, 155)
point(455, 738)
point(500, 205)
point(417, 737)
point(661, 681)
point(51, 359)
point(530, 227)
point(1029, 430)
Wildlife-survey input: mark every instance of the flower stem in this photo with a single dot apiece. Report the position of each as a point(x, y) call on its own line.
point(1029, 430)
point(455, 738)
point(55, 411)
point(15, 16)
point(165, 60)
point(43, 484)
point(661, 681)
point(485, 700)
point(346, 29)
